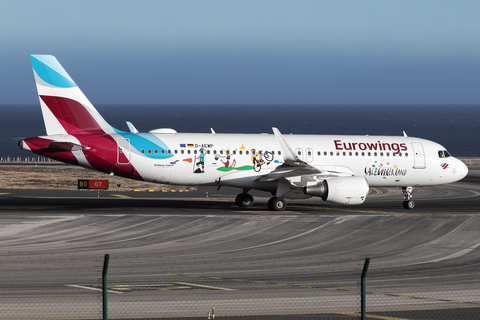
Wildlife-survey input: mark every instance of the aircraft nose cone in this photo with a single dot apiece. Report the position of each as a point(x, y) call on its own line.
point(462, 170)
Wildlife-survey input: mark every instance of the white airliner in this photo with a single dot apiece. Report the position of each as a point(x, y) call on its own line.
point(339, 169)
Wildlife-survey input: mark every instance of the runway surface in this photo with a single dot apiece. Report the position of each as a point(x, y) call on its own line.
point(183, 253)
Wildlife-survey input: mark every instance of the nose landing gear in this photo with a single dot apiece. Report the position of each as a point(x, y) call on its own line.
point(407, 195)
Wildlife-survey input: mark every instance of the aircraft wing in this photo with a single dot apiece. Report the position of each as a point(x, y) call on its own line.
point(293, 166)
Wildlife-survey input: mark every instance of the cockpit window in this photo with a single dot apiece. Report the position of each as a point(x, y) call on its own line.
point(443, 154)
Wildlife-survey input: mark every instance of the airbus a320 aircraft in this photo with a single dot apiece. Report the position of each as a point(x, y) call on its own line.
point(339, 169)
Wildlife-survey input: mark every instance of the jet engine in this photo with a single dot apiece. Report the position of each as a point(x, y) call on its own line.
point(343, 190)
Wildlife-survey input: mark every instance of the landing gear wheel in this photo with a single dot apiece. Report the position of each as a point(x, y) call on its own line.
point(244, 200)
point(407, 195)
point(409, 204)
point(277, 204)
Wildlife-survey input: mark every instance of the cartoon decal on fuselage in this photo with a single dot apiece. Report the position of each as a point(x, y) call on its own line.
point(261, 158)
point(201, 162)
point(228, 158)
point(225, 159)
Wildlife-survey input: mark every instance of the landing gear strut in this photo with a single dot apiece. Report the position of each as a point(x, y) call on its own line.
point(244, 200)
point(407, 195)
point(277, 204)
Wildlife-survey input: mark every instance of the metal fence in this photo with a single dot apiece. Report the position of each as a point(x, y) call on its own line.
point(182, 296)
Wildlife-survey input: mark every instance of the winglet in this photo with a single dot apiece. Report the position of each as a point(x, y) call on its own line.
point(131, 127)
point(213, 132)
point(404, 134)
point(287, 151)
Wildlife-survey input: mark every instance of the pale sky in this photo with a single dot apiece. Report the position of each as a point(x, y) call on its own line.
point(248, 52)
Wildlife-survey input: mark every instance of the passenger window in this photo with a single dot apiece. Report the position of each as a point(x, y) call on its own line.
point(369, 154)
point(188, 151)
point(247, 152)
point(406, 154)
point(195, 151)
point(150, 151)
point(143, 151)
point(363, 154)
point(381, 154)
point(388, 154)
point(221, 151)
point(240, 152)
point(169, 151)
point(325, 153)
point(350, 154)
point(319, 153)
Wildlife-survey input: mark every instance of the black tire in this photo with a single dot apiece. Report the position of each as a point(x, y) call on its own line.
point(277, 204)
point(409, 204)
point(244, 200)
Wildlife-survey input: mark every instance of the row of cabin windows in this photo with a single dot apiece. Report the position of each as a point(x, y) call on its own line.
point(299, 153)
point(234, 152)
point(363, 154)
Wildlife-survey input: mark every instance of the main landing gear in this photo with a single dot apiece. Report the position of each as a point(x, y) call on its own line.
point(407, 195)
point(245, 200)
point(277, 204)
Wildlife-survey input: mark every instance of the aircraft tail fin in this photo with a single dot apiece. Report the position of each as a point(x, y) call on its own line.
point(65, 109)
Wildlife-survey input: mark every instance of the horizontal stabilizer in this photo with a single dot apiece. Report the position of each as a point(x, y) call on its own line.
point(66, 146)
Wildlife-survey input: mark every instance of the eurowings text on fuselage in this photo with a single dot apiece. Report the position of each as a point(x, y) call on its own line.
point(339, 169)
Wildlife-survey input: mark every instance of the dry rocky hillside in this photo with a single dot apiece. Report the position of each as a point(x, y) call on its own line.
point(66, 178)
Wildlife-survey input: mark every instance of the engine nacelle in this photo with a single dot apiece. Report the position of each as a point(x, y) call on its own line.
point(343, 190)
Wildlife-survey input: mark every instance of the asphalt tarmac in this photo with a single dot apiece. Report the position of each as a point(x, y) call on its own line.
point(180, 254)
